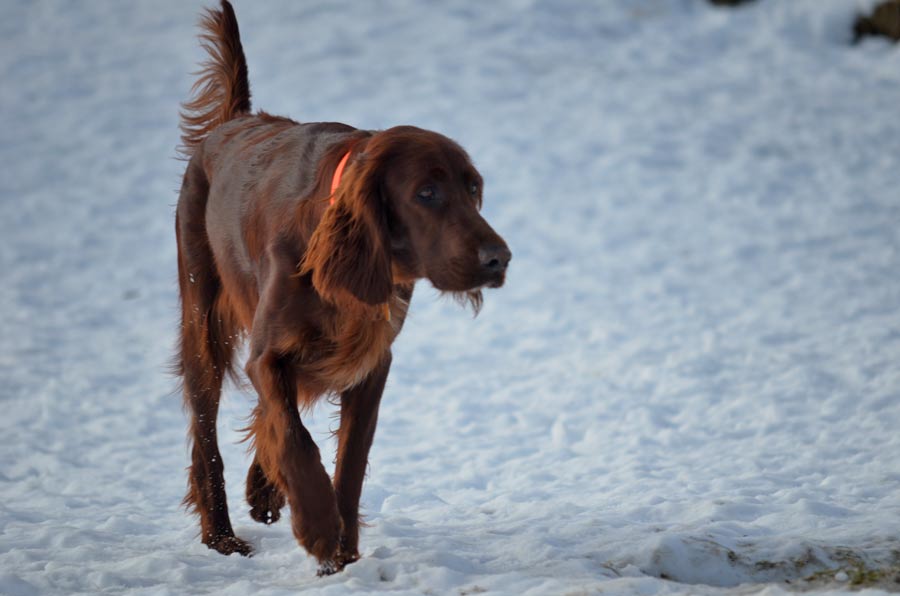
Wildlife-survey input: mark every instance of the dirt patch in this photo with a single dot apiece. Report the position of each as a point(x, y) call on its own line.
point(884, 21)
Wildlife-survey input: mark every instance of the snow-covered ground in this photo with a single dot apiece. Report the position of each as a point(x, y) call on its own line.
point(691, 380)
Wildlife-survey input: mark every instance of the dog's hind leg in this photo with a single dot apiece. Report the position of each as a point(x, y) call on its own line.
point(205, 357)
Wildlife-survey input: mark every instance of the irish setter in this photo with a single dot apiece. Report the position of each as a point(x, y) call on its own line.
point(318, 278)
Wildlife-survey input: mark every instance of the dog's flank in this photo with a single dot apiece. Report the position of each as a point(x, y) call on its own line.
point(319, 281)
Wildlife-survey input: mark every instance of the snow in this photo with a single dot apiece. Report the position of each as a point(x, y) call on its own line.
point(689, 385)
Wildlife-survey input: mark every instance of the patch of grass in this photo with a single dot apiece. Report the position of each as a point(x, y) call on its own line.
point(863, 576)
point(767, 565)
point(859, 573)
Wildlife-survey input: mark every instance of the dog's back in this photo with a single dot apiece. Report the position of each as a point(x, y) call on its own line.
point(229, 151)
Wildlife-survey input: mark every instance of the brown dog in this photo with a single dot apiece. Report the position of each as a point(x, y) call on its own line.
point(308, 238)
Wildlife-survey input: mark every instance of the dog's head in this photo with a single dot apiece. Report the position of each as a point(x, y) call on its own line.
point(407, 208)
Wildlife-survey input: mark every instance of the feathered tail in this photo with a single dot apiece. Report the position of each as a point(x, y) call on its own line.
point(223, 91)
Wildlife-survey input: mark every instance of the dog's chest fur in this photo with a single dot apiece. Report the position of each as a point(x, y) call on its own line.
point(350, 343)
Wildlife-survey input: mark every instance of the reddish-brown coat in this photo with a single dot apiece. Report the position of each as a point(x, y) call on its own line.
point(262, 254)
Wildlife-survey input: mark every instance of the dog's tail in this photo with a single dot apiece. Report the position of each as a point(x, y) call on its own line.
point(222, 92)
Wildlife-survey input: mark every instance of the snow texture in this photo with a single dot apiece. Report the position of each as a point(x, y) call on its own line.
point(690, 383)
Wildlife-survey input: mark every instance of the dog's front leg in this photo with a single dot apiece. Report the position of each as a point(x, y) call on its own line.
point(289, 457)
point(284, 448)
point(359, 416)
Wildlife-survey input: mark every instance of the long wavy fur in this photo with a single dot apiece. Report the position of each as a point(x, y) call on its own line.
point(223, 90)
point(349, 253)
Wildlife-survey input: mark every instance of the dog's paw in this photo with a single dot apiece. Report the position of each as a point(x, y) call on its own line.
point(329, 567)
point(266, 504)
point(319, 532)
point(265, 499)
point(336, 565)
point(231, 544)
point(345, 557)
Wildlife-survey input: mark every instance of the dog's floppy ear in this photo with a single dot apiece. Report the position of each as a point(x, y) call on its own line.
point(349, 252)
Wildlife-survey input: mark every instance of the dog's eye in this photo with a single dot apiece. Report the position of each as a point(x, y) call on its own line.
point(473, 189)
point(426, 194)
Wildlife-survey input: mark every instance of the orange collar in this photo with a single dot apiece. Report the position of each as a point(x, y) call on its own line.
point(338, 172)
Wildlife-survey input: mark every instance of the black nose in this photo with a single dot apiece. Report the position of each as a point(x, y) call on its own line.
point(494, 257)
